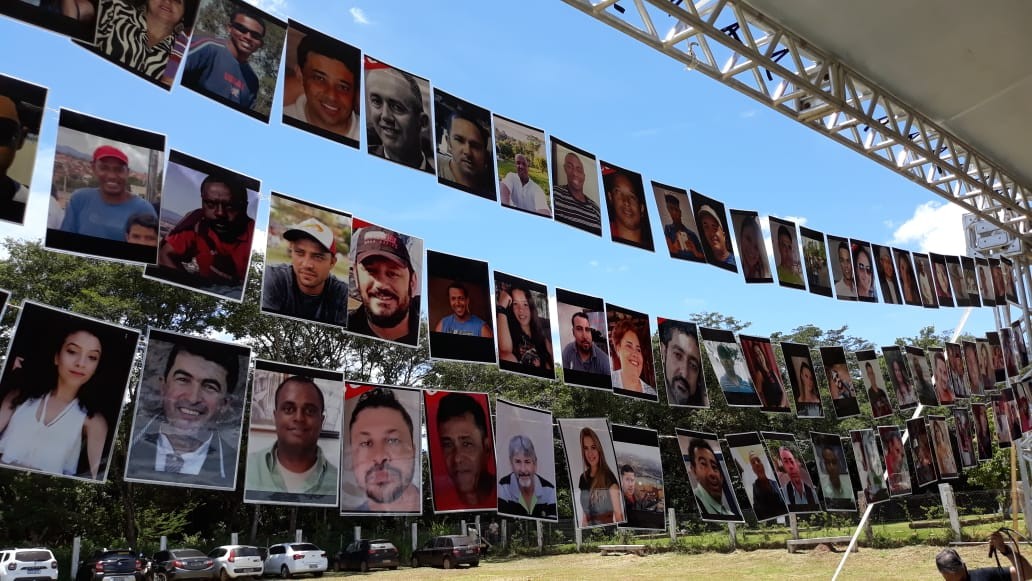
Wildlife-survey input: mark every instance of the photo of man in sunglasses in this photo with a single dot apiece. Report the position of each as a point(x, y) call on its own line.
point(218, 66)
point(21, 108)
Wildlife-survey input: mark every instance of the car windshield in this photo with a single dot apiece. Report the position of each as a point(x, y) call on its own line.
point(184, 553)
point(304, 547)
point(33, 556)
point(383, 545)
point(247, 552)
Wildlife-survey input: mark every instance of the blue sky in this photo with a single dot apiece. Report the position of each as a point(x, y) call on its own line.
point(545, 64)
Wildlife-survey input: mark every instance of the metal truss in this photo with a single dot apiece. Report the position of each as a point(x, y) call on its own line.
point(733, 43)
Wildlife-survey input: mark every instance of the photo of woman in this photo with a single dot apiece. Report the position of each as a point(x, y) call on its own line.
point(62, 392)
point(760, 358)
point(142, 35)
point(863, 266)
point(803, 380)
point(749, 236)
point(633, 371)
point(945, 462)
point(943, 389)
point(589, 454)
point(522, 326)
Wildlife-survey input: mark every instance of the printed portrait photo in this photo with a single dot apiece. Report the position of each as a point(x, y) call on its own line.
point(584, 337)
point(803, 378)
point(464, 154)
point(147, 39)
point(21, 114)
point(630, 353)
point(751, 247)
point(76, 19)
point(107, 177)
point(522, 167)
point(863, 270)
point(996, 362)
point(1022, 397)
point(523, 326)
point(385, 282)
point(983, 436)
point(907, 278)
point(459, 304)
point(73, 371)
point(641, 477)
point(985, 283)
point(885, 266)
point(922, 453)
point(306, 262)
point(293, 441)
point(792, 474)
point(869, 466)
point(322, 89)
point(922, 375)
point(965, 437)
point(678, 220)
point(524, 437)
point(713, 229)
point(975, 377)
point(1018, 332)
point(840, 382)
point(763, 369)
point(925, 284)
point(682, 364)
point(761, 486)
point(833, 472)
point(941, 282)
point(206, 227)
point(942, 377)
point(234, 56)
point(575, 191)
point(899, 376)
point(815, 257)
point(728, 362)
point(968, 270)
point(999, 288)
point(786, 254)
point(381, 463)
point(189, 411)
point(463, 476)
point(842, 268)
point(945, 461)
point(398, 124)
point(895, 460)
point(985, 363)
point(625, 206)
point(874, 383)
point(707, 474)
point(591, 459)
point(960, 381)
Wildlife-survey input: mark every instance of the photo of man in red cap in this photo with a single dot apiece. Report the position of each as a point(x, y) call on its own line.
point(104, 210)
point(387, 281)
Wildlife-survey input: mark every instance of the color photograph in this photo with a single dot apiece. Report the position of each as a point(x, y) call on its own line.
point(925, 276)
point(464, 153)
point(918, 359)
point(707, 472)
point(584, 337)
point(751, 248)
point(630, 350)
point(786, 254)
point(907, 278)
point(895, 460)
point(459, 304)
point(840, 382)
point(728, 362)
point(575, 189)
point(463, 477)
point(682, 364)
point(523, 327)
point(625, 204)
point(757, 473)
point(874, 383)
point(763, 369)
point(941, 281)
point(398, 126)
point(885, 265)
point(591, 460)
point(793, 475)
point(815, 257)
point(522, 167)
point(21, 114)
point(869, 466)
point(842, 268)
point(76, 19)
point(900, 378)
point(803, 378)
point(945, 461)
point(524, 436)
point(640, 471)
point(965, 432)
point(833, 472)
point(921, 452)
point(713, 228)
point(863, 271)
point(678, 221)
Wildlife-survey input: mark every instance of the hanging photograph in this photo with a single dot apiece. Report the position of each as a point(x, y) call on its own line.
point(943, 375)
point(998, 286)
point(524, 327)
point(625, 205)
point(840, 382)
point(76, 19)
point(206, 227)
point(398, 126)
point(725, 356)
point(899, 376)
point(925, 286)
point(842, 268)
point(1022, 397)
point(895, 461)
point(967, 268)
point(641, 477)
point(983, 437)
point(945, 461)
point(985, 365)
point(597, 499)
point(462, 463)
point(961, 285)
point(189, 412)
point(21, 115)
point(707, 473)
point(712, 222)
point(306, 261)
point(958, 374)
point(869, 466)
point(293, 440)
point(682, 364)
point(74, 371)
point(106, 184)
point(322, 92)
point(751, 249)
point(522, 167)
point(907, 278)
point(918, 359)
point(965, 437)
point(754, 466)
point(678, 220)
point(459, 304)
point(630, 350)
point(803, 379)
point(887, 281)
point(921, 452)
point(763, 369)
point(463, 138)
point(1010, 290)
point(1018, 332)
point(793, 476)
point(985, 283)
point(786, 254)
point(863, 270)
point(941, 280)
point(996, 363)
point(234, 56)
point(381, 464)
point(975, 378)
point(584, 335)
point(387, 273)
point(1009, 358)
point(833, 472)
point(874, 382)
point(815, 257)
point(524, 436)
point(1008, 426)
point(575, 190)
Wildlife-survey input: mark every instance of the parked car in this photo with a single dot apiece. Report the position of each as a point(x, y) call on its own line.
point(366, 554)
point(111, 565)
point(181, 565)
point(233, 561)
point(447, 552)
point(27, 565)
point(289, 559)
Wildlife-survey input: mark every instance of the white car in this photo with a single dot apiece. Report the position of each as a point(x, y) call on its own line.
point(28, 565)
point(289, 559)
point(233, 561)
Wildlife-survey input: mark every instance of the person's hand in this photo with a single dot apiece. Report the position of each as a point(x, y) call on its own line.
point(999, 544)
point(504, 300)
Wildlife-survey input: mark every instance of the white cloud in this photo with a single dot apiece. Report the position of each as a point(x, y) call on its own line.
point(593, 263)
point(934, 227)
point(358, 15)
point(277, 7)
point(748, 113)
point(259, 240)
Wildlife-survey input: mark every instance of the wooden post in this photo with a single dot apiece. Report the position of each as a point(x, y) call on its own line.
point(861, 504)
point(672, 523)
point(578, 536)
point(76, 545)
point(415, 536)
point(541, 536)
point(505, 534)
point(793, 523)
point(732, 530)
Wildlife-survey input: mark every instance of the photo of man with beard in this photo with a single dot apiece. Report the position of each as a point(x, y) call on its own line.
point(386, 267)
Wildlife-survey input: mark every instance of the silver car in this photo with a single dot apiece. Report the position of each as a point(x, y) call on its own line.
point(289, 559)
point(234, 561)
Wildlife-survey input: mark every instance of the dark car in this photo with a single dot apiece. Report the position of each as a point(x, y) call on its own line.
point(181, 564)
point(111, 565)
point(447, 552)
point(366, 554)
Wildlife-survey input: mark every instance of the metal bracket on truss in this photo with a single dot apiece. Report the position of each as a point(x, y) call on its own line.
point(733, 43)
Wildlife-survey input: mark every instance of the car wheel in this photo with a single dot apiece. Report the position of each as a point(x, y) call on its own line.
point(223, 575)
point(446, 563)
point(284, 572)
point(363, 566)
point(475, 564)
point(317, 574)
point(159, 576)
point(414, 563)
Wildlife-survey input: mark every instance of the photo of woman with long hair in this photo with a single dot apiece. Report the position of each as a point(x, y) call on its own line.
point(598, 486)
